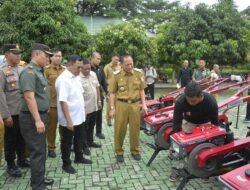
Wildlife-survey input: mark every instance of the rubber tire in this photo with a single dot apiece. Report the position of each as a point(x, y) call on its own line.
point(192, 166)
point(160, 141)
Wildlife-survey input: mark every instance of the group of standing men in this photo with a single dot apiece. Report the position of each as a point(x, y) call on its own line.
point(186, 75)
point(35, 98)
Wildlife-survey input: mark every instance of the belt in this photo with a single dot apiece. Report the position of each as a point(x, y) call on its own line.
point(28, 112)
point(128, 101)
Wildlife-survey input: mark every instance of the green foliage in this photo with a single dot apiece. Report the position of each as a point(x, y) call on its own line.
point(45, 21)
point(155, 12)
point(219, 34)
point(126, 39)
point(234, 71)
point(113, 8)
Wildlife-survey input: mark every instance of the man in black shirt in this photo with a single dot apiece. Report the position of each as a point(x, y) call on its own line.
point(193, 108)
point(185, 74)
point(95, 66)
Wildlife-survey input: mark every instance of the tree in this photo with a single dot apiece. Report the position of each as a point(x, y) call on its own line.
point(214, 33)
point(46, 21)
point(123, 39)
point(113, 8)
point(154, 12)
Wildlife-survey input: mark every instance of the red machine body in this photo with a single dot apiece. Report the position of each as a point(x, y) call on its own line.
point(210, 149)
point(185, 141)
point(238, 179)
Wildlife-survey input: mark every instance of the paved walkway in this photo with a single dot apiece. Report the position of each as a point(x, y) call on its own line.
point(106, 174)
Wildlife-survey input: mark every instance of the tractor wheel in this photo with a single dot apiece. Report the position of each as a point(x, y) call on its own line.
point(210, 167)
point(160, 137)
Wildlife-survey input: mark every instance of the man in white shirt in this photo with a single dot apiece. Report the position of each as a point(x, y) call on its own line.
point(150, 76)
point(71, 113)
point(92, 98)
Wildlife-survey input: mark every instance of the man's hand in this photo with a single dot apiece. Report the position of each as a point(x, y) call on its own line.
point(40, 127)
point(112, 113)
point(99, 105)
point(8, 122)
point(145, 109)
point(70, 126)
point(1, 120)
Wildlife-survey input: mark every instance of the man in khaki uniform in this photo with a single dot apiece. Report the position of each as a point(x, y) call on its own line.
point(109, 70)
point(126, 91)
point(52, 71)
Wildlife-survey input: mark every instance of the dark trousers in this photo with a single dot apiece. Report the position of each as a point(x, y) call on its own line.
point(36, 144)
point(13, 142)
point(150, 90)
point(99, 119)
point(76, 136)
point(248, 107)
point(89, 126)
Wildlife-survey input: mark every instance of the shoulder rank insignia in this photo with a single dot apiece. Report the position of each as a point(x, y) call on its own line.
point(116, 72)
point(138, 70)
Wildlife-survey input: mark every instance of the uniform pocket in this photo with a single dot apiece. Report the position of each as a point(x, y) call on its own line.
point(122, 86)
point(12, 83)
point(136, 85)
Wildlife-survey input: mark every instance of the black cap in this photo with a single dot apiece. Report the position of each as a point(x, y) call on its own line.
point(12, 48)
point(42, 47)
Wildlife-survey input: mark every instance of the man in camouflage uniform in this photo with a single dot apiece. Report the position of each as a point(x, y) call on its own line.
point(126, 92)
point(109, 70)
point(13, 140)
point(52, 71)
point(202, 73)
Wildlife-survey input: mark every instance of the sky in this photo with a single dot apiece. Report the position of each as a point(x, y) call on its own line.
point(241, 4)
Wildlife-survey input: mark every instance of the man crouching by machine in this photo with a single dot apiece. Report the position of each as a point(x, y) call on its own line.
point(193, 108)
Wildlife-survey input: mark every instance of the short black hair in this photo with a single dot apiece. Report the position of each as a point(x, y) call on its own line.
point(115, 55)
point(74, 58)
point(123, 57)
point(55, 50)
point(193, 90)
point(85, 61)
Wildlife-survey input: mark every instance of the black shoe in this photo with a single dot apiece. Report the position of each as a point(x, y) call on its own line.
point(175, 175)
point(14, 171)
point(94, 145)
point(83, 161)
point(119, 158)
point(137, 157)
point(69, 169)
point(24, 163)
point(48, 181)
point(246, 120)
point(86, 151)
point(51, 154)
point(100, 136)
